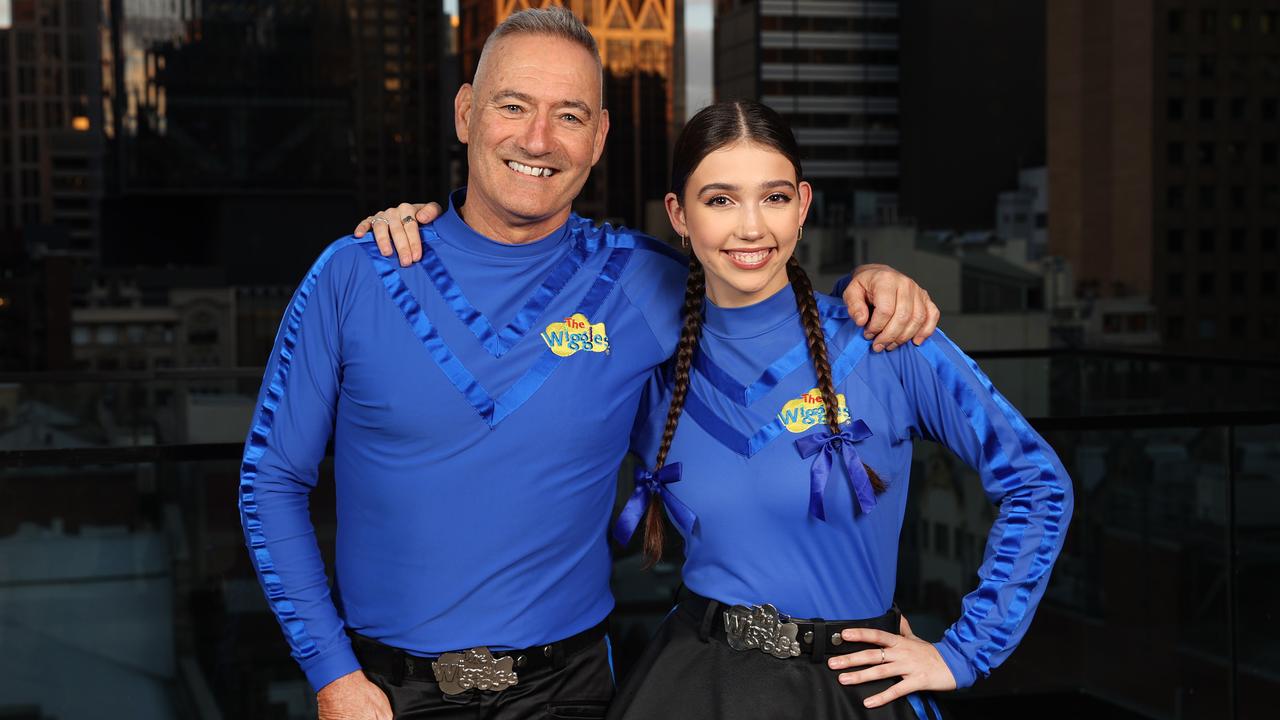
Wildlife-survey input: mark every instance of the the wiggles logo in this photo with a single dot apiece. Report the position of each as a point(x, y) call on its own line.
point(576, 333)
point(806, 411)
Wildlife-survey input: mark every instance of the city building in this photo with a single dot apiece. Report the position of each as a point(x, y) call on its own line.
point(832, 69)
point(1164, 175)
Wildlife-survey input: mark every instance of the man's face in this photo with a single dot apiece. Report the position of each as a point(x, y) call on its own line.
point(533, 127)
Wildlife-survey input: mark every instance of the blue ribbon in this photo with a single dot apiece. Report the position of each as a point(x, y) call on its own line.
point(647, 485)
point(825, 445)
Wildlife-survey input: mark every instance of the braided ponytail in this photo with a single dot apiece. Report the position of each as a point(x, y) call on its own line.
point(817, 342)
point(694, 292)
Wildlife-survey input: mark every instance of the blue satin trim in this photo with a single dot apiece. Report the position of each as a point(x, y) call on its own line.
point(295, 630)
point(648, 484)
point(1016, 507)
point(772, 375)
point(738, 442)
point(491, 410)
point(498, 343)
point(827, 446)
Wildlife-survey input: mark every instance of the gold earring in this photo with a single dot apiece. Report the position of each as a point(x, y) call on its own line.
point(684, 241)
point(801, 235)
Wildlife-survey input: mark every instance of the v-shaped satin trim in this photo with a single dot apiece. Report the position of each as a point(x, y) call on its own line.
point(746, 396)
point(492, 410)
point(498, 343)
point(745, 445)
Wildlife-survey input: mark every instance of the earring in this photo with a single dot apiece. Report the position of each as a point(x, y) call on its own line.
point(801, 235)
point(684, 241)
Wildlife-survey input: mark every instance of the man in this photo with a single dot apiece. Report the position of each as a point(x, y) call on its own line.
point(474, 461)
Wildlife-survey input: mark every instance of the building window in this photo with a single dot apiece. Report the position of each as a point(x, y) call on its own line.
point(941, 539)
point(1267, 22)
point(1173, 240)
point(1268, 109)
point(1173, 109)
point(1236, 152)
point(1177, 68)
point(1271, 196)
point(1206, 109)
point(1173, 153)
point(1208, 22)
point(1268, 239)
point(1237, 197)
point(1173, 197)
point(1268, 153)
point(1238, 109)
point(1208, 67)
point(1205, 285)
point(1208, 329)
point(1175, 23)
point(1175, 327)
point(1236, 327)
point(1173, 285)
point(1237, 283)
point(1207, 240)
point(1267, 282)
point(1238, 237)
point(1208, 197)
point(1205, 153)
point(1238, 21)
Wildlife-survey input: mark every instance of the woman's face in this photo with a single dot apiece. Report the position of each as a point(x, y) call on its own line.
point(742, 210)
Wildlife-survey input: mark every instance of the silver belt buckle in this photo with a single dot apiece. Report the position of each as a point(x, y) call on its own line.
point(476, 668)
point(761, 627)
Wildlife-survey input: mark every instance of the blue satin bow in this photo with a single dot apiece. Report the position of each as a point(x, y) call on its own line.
point(647, 484)
point(825, 445)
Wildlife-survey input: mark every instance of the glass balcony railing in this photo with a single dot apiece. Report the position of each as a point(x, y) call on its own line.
point(122, 560)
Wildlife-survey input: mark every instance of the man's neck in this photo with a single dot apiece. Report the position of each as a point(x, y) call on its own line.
point(486, 220)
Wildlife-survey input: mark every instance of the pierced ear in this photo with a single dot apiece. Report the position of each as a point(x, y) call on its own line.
point(675, 213)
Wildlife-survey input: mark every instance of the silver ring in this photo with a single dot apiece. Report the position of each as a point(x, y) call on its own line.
point(881, 656)
point(406, 219)
point(376, 218)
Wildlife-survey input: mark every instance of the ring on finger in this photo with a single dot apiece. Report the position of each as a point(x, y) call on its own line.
point(406, 219)
point(376, 218)
point(882, 656)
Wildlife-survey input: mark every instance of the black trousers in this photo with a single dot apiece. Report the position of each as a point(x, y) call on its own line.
point(689, 671)
point(581, 688)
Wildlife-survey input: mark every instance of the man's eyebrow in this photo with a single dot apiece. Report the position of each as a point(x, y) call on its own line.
point(578, 105)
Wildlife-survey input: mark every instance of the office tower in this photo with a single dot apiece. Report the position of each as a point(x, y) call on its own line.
point(1162, 157)
point(832, 69)
point(51, 149)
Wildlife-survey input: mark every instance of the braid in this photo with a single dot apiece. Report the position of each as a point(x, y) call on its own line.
point(818, 353)
point(694, 292)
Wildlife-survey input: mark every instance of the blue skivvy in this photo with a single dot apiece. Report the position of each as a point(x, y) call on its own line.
point(479, 405)
point(754, 427)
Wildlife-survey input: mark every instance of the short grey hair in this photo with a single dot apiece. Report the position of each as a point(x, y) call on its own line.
point(555, 21)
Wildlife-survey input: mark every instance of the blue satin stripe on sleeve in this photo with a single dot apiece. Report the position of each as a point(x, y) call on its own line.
point(295, 630)
point(959, 376)
point(500, 342)
point(491, 411)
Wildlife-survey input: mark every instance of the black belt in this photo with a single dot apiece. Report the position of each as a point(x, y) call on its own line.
point(397, 665)
point(816, 637)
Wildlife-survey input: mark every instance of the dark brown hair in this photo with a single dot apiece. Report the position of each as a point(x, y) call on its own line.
point(714, 127)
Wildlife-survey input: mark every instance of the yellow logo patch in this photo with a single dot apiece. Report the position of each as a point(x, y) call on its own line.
point(576, 333)
point(807, 411)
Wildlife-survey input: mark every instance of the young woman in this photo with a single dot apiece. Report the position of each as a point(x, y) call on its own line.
point(781, 449)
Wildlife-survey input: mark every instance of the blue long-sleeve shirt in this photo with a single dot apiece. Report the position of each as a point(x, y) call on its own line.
point(753, 392)
point(479, 404)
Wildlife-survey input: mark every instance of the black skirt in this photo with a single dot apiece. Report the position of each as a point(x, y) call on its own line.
point(690, 671)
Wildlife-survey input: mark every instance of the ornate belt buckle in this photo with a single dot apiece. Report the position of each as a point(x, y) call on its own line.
point(761, 627)
point(475, 668)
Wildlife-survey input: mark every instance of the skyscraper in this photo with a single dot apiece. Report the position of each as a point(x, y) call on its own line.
point(1162, 157)
point(832, 69)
